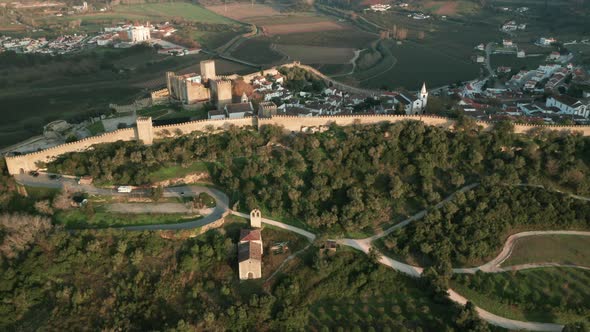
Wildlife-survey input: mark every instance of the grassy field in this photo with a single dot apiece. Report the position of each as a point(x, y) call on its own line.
point(317, 54)
point(417, 63)
point(436, 51)
point(545, 295)
point(331, 38)
point(76, 219)
point(257, 51)
point(143, 12)
point(42, 193)
point(564, 249)
point(171, 172)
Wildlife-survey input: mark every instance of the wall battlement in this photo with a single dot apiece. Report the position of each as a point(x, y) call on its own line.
point(146, 132)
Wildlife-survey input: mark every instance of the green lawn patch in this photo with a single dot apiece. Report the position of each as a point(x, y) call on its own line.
point(564, 249)
point(77, 218)
point(552, 295)
point(177, 171)
point(39, 193)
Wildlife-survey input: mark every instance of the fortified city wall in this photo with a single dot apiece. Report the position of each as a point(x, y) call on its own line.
point(147, 132)
point(27, 162)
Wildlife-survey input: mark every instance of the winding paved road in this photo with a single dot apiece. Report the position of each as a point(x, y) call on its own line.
point(221, 199)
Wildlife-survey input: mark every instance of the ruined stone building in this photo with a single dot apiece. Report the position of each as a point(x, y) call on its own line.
point(250, 254)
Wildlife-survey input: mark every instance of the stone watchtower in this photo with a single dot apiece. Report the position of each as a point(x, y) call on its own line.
point(221, 90)
point(145, 130)
point(255, 218)
point(208, 70)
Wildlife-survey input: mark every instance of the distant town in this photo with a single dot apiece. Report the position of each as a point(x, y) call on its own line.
point(119, 36)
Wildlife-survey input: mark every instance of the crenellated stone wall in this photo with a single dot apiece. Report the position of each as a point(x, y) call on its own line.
point(296, 124)
point(148, 132)
point(200, 125)
point(28, 162)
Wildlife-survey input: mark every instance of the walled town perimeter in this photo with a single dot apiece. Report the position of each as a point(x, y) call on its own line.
point(146, 132)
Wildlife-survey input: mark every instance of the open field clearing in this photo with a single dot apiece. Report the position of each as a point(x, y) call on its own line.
point(559, 295)
point(418, 63)
point(450, 8)
point(244, 11)
point(563, 249)
point(152, 11)
point(289, 28)
point(317, 54)
point(334, 38)
point(258, 51)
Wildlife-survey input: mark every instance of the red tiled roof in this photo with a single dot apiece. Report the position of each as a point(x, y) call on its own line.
point(250, 235)
point(249, 250)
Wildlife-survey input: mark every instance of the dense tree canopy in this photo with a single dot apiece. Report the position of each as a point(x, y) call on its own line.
point(138, 281)
point(473, 227)
point(349, 178)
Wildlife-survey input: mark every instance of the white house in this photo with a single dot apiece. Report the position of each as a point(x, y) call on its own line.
point(570, 105)
point(138, 34)
point(546, 41)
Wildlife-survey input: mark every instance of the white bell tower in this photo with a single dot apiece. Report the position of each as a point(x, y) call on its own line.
point(423, 95)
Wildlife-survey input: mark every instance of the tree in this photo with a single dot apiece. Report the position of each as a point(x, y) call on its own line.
point(157, 193)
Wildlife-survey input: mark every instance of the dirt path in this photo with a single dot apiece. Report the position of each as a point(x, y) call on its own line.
point(364, 245)
point(352, 61)
point(493, 266)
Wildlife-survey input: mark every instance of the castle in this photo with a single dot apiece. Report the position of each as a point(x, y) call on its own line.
point(193, 89)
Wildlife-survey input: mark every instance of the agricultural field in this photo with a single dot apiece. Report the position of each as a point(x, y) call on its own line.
point(416, 63)
point(258, 51)
point(450, 8)
point(316, 54)
point(309, 37)
point(349, 38)
point(563, 249)
point(560, 295)
point(299, 27)
point(246, 12)
point(145, 12)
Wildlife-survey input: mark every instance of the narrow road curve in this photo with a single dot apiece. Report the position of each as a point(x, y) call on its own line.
point(221, 199)
point(363, 245)
point(493, 266)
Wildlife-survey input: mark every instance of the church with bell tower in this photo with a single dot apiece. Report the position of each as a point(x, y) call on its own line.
point(413, 105)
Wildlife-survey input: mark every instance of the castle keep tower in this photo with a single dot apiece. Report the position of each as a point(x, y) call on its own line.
point(208, 70)
point(145, 130)
point(221, 90)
